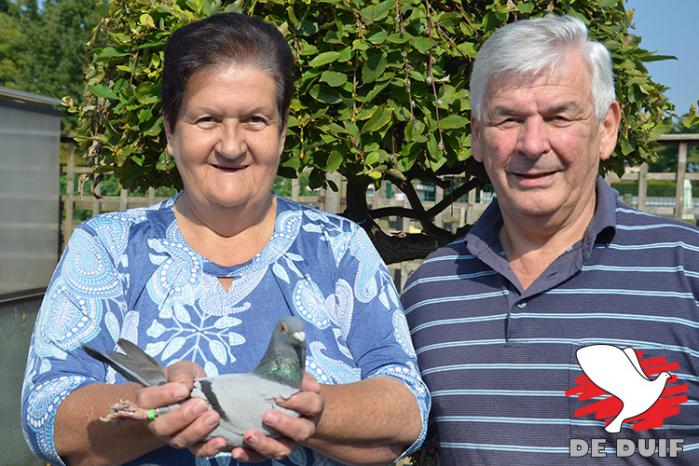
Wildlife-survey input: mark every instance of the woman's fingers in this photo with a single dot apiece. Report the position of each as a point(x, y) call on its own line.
point(298, 429)
point(259, 447)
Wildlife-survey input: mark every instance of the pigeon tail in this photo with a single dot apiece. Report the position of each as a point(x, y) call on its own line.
point(135, 365)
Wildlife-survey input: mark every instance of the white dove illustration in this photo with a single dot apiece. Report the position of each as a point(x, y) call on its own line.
point(618, 372)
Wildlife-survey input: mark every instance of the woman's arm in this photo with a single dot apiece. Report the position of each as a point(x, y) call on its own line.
point(83, 439)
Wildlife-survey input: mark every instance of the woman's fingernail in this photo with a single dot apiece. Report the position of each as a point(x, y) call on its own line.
point(198, 407)
point(181, 392)
point(212, 421)
point(251, 439)
point(270, 417)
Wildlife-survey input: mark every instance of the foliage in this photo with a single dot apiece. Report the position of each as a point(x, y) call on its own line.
point(667, 154)
point(43, 49)
point(382, 94)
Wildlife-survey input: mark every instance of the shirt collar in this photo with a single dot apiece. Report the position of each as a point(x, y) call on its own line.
point(485, 233)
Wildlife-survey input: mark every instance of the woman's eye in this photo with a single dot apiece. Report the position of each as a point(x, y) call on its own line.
point(206, 121)
point(256, 121)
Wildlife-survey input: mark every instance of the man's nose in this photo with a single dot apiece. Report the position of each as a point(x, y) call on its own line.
point(533, 138)
point(231, 143)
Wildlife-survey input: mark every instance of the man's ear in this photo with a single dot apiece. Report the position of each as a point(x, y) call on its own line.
point(609, 131)
point(475, 140)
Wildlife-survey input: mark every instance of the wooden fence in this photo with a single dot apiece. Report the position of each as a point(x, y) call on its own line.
point(457, 214)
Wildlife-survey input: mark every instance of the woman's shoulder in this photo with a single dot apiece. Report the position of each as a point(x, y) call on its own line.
point(322, 220)
point(117, 227)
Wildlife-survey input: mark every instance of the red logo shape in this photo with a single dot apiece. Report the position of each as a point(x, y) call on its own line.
point(609, 408)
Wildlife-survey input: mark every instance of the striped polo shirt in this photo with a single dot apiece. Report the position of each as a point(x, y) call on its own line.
point(499, 359)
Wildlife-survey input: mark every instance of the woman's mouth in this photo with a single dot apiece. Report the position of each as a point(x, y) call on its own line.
point(227, 169)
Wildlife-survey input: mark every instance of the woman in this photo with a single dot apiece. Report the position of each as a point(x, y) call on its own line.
point(198, 282)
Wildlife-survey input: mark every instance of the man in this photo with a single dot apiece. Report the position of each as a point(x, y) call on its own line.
point(556, 263)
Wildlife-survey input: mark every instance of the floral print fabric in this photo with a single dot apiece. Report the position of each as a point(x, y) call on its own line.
point(132, 275)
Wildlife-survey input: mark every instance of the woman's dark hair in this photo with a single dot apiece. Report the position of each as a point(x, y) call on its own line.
point(219, 40)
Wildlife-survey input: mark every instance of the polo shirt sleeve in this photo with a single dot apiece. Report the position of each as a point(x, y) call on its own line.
point(379, 338)
point(84, 295)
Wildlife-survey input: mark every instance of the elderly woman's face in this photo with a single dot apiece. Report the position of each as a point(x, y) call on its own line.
point(228, 136)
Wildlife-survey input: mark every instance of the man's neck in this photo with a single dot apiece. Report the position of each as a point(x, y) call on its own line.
point(533, 243)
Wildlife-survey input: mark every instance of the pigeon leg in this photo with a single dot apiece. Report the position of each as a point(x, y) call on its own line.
point(125, 409)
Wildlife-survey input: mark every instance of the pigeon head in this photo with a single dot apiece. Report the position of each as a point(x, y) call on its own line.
point(285, 358)
point(290, 331)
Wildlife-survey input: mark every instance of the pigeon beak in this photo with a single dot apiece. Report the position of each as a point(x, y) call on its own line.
point(299, 336)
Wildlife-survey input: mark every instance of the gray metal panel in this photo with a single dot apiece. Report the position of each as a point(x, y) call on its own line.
point(16, 322)
point(29, 189)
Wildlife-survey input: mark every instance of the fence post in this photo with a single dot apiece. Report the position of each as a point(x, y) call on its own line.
point(642, 186)
point(679, 188)
point(69, 203)
point(123, 199)
point(151, 195)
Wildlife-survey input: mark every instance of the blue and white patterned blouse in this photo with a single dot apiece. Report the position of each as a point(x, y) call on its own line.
point(132, 275)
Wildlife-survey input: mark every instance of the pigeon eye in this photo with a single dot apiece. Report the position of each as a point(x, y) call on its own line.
point(282, 327)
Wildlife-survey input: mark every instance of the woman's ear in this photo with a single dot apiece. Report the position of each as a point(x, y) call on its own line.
point(168, 137)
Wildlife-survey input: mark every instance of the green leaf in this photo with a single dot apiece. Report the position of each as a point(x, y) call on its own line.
point(378, 38)
point(374, 66)
point(453, 122)
point(333, 78)
point(325, 94)
point(380, 119)
point(146, 20)
point(101, 90)
point(422, 44)
point(324, 58)
point(334, 161)
point(110, 52)
point(399, 38)
point(525, 7)
point(377, 12)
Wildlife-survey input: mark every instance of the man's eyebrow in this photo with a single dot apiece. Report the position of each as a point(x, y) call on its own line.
point(562, 107)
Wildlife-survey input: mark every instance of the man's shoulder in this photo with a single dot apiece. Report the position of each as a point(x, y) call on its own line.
point(638, 226)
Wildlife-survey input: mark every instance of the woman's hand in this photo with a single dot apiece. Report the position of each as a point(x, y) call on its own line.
point(188, 425)
point(309, 403)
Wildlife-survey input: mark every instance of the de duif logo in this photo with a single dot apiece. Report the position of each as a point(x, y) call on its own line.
point(625, 387)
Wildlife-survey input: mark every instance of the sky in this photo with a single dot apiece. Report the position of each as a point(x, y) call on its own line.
point(669, 27)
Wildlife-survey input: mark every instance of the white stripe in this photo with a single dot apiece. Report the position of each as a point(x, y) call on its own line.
point(495, 392)
point(458, 367)
point(448, 258)
point(451, 299)
point(636, 344)
point(657, 225)
point(463, 320)
point(497, 447)
point(613, 291)
point(520, 420)
point(643, 269)
point(639, 247)
point(456, 344)
point(447, 278)
point(606, 315)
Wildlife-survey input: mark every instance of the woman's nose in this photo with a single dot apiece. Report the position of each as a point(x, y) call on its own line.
point(533, 138)
point(231, 143)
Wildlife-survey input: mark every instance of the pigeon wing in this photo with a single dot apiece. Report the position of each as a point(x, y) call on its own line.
point(633, 357)
point(241, 400)
point(135, 364)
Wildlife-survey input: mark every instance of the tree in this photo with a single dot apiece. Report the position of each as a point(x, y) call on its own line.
point(44, 49)
point(382, 94)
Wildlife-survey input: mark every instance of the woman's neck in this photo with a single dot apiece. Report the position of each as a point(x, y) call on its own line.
point(226, 236)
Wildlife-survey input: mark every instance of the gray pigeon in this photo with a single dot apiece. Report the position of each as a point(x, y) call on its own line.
point(239, 399)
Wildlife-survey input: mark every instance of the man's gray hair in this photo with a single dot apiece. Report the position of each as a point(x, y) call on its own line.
point(528, 47)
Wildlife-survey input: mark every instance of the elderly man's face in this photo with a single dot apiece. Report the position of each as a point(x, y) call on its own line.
point(541, 143)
